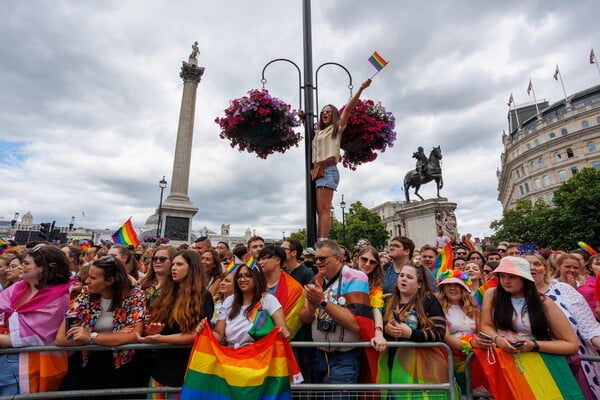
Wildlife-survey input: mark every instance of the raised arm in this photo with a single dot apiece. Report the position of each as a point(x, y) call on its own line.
point(351, 104)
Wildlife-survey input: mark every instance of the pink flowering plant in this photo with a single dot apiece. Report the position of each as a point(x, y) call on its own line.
point(370, 128)
point(259, 123)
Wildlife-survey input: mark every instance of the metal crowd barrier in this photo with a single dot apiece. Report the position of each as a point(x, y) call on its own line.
point(471, 393)
point(299, 391)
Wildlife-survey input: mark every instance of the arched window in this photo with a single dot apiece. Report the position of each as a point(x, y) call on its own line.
point(546, 179)
point(528, 146)
point(550, 199)
point(557, 156)
point(598, 120)
point(562, 175)
point(574, 170)
point(563, 132)
point(538, 183)
point(591, 147)
point(585, 124)
point(541, 162)
point(521, 190)
point(596, 165)
point(552, 136)
point(532, 165)
point(537, 142)
point(570, 153)
point(526, 187)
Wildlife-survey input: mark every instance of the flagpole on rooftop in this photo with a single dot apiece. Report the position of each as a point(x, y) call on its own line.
point(537, 109)
point(594, 61)
point(558, 74)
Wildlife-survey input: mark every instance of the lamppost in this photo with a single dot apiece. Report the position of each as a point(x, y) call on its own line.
point(162, 184)
point(72, 223)
point(309, 112)
point(343, 206)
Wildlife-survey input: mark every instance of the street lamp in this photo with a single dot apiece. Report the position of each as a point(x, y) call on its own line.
point(72, 223)
point(343, 206)
point(309, 111)
point(14, 220)
point(162, 184)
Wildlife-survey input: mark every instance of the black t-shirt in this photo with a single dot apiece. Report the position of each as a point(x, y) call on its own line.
point(169, 365)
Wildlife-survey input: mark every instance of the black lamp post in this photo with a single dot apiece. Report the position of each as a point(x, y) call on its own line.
point(162, 184)
point(343, 206)
point(72, 223)
point(309, 112)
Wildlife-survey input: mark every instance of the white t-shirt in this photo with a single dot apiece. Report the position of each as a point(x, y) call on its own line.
point(104, 323)
point(236, 329)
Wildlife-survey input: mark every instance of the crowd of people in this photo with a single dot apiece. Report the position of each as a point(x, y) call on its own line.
point(510, 297)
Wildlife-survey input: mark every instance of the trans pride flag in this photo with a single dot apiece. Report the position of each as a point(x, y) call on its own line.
point(125, 235)
point(260, 371)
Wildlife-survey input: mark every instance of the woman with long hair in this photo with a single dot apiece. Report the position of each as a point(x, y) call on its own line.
point(211, 263)
point(182, 304)
point(370, 263)
point(109, 311)
point(226, 288)
point(158, 272)
point(474, 271)
point(125, 255)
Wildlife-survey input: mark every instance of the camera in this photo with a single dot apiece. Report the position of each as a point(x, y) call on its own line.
point(326, 325)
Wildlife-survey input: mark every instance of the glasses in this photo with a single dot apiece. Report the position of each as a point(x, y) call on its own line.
point(501, 250)
point(361, 243)
point(286, 248)
point(244, 276)
point(322, 258)
point(487, 271)
point(162, 259)
point(461, 253)
point(326, 112)
point(394, 246)
point(368, 260)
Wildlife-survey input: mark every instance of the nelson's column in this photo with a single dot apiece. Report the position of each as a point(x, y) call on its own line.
point(178, 210)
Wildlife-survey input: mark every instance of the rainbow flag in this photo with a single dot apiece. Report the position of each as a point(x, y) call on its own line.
point(478, 295)
point(125, 235)
point(3, 245)
point(251, 262)
point(231, 267)
point(291, 297)
point(377, 61)
point(261, 371)
point(528, 375)
point(84, 244)
point(443, 262)
point(376, 297)
point(586, 247)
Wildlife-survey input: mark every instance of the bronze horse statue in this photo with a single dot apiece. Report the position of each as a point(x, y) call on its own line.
point(433, 172)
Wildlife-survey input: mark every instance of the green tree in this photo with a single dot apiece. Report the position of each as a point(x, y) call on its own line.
point(360, 223)
point(300, 236)
point(526, 223)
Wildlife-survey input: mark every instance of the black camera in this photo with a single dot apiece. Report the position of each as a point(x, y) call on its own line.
point(326, 325)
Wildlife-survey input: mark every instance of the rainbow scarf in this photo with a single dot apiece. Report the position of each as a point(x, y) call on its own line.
point(3, 245)
point(261, 371)
point(291, 297)
point(527, 375)
point(478, 295)
point(444, 259)
point(125, 235)
point(377, 61)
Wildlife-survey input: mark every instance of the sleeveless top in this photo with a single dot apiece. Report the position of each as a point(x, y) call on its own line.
point(324, 145)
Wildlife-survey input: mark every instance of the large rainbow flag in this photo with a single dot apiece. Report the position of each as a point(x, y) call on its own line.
point(125, 235)
point(478, 295)
point(291, 296)
point(527, 375)
point(444, 260)
point(261, 371)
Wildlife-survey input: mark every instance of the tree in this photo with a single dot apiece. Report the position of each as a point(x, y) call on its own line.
point(360, 223)
point(299, 236)
point(526, 223)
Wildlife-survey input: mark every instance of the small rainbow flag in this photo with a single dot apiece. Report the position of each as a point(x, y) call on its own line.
point(84, 244)
point(125, 235)
point(586, 247)
point(443, 262)
point(251, 262)
point(3, 245)
point(377, 61)
point(478, 295)
point(231, 267)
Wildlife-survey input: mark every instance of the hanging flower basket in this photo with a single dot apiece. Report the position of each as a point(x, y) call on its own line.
point(370, 128)
point(259, 123)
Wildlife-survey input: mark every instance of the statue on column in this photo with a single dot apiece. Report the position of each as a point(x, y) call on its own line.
point(428, 169)
point(195, 51)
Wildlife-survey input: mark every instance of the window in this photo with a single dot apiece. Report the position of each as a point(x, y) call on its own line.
point(538, 183)
point(528, 146)
point(532, 165)
point(563, 132)
point(598, 120)
point(521, 190)
point(526, 187)
point(552, 136)
point(557, 157)
point(562, 175)
point(574, 170)
point(537, 142)
point(596, 165)
point(546, 179)
point(550, 198)
point(570, 153)
point(591, 147)
point(585, 124)
point(541, 162)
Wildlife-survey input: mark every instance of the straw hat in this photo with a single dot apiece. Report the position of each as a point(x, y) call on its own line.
point(515, 266)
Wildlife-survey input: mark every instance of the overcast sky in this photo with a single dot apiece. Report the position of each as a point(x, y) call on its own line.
point(90, 96)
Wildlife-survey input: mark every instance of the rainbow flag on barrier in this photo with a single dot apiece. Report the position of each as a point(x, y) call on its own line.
point(260, 371)
point(125, 235)
point(527, 375)
point(291, 297)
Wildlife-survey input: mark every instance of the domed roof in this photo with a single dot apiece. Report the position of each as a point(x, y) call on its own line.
point(152, 220)
point(28, 215)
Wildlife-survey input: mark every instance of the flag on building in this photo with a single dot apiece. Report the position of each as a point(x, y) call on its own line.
point(125, 235)
point(592, 56)
point(510, 100)
point(556, 72)
point(529, 88)
point(377, 61)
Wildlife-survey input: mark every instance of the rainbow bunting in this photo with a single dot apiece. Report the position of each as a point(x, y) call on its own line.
point(443, 262)
point(262, 370)
point(586, 247)
point(251, 262)
point(377, 61)
point(291, 297)
point(528, 375)
point(125, 235)
point(3, 245)
point(478, 295)
point(231, 267)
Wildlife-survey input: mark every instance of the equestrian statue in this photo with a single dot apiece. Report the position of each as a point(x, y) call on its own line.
point(427, 170)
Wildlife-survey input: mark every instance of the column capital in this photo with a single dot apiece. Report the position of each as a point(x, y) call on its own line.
point(191, 72)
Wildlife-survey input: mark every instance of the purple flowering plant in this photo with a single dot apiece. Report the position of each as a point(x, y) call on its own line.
point(259, 123)
point(370, 128)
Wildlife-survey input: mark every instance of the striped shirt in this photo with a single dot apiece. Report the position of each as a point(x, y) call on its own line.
point(324, 145)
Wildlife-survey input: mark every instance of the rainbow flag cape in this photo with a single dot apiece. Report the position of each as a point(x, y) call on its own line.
point(251, 262)
point(478, 295)
point(528, 375)
point(261, 371)
point(291, 296)
point(3, 245)
point(443, 262)
point(584, 246)
point(125, 235)
point(377, 61)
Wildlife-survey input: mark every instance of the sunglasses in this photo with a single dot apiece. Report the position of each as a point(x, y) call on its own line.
point(361, 243)
point(501, 250)
point(162, 259)
point(368, 260)
point(461, 254)
point(321, 258)
point(487, 271)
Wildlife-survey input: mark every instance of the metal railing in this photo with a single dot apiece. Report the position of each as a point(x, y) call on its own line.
point(299, 391)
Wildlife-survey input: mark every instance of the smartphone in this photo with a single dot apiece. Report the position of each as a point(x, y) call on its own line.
point(517, 344)
point(71, 321)
point(484, 336)
point(396, 316)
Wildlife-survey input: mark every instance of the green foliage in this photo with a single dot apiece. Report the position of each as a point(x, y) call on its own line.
point(574, 217)
point(300, 236)
point(363, 223)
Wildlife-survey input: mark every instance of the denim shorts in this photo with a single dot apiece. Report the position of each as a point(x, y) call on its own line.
point(331, 178)
point(9, 374)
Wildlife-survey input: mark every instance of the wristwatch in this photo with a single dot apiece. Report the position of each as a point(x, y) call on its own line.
point(323, 303)
point(93, 337)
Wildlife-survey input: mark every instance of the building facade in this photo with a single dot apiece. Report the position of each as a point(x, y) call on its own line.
point(547, 148)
